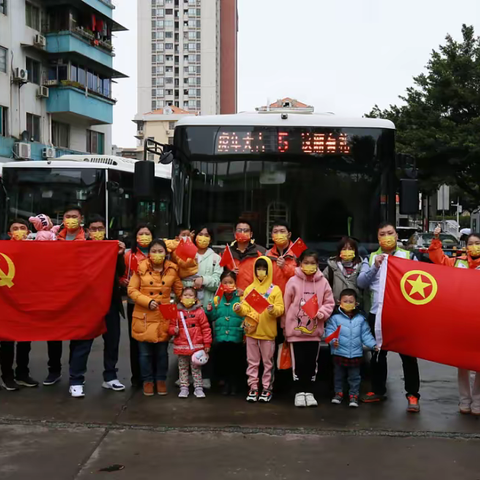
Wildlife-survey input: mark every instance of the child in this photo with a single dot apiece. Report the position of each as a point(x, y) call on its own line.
point(347, 349)
point(187, 269)
point(261, 330)
point(200, 338)
point(227, 327)
point(304, 333)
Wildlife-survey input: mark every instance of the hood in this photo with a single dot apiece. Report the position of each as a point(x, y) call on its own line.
point(332, 263)
point(262, 287)
point(317, 277)
point(146, 266)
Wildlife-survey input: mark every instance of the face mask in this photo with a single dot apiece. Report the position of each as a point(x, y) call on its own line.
point(242, 237)
point(144, 240)
point(19, 235)
point(474, 250)
point(202, 241)
point(388, 242)
point(280, 239)
point(261, 274)
point(309, 269)
point(229, 288)
point(98, 235)
point(188, 302)
point(347, 307)
point(71, 223)
point(347, 255)
point(157, 258)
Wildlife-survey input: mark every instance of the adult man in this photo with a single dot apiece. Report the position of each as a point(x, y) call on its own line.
point(369, 277)
point(18, 231)
point(245, 251)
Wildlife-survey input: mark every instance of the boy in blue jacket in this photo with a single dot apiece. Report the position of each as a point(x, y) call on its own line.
point(347, 349)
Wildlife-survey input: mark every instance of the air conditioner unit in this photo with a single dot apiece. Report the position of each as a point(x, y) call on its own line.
point(22, 150)
point(48, 152)
point(40, 41)
point(50, 83)
point(20, 75)
point(42, 92)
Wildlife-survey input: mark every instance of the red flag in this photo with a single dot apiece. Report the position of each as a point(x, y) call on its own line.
point(186, 249)
point(227, 259)
point(298, 247)
point(55, 290)
point(311, 307)
point(258, 302)
point(423, 312)
point(334, 335)
point(220, 291)
point(168, 311)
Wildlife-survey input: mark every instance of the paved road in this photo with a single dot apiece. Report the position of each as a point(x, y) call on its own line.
point(46, 434)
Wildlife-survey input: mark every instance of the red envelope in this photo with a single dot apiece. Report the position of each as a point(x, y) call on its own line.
point(186, 249)
point(258, 302)
point(311, 307)
point(168, 311)
point(334, 335)
point(298, 247)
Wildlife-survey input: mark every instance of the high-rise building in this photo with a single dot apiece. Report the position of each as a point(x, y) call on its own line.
point(187, 55)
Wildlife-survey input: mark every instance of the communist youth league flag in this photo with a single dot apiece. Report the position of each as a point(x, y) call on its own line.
point(55, 290)
point(429, 311)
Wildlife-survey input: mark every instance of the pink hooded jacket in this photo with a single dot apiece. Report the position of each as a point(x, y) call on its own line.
point(298, 327)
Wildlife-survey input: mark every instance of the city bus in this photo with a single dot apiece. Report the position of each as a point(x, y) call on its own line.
point(325, 175)
point(102, 184)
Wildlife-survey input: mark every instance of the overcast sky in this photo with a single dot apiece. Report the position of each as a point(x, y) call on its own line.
point(339, 56)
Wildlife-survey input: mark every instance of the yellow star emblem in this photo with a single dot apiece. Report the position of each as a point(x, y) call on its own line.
point(418, 286)
point(419, 281)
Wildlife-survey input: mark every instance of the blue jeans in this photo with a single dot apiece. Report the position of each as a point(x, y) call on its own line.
point(353, 375)
point(79, 352)
point(111, 342)
point(153, 361)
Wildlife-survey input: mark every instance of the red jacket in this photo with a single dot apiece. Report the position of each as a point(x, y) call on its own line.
point(198, 328)
point(282, 275)
point(78, 237)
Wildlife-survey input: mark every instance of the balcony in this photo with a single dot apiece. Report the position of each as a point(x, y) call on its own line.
point(103, 6)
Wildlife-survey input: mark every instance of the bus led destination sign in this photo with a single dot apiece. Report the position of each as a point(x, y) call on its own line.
point(245, 140)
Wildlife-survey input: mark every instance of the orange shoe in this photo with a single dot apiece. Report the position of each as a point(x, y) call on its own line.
point(148, 389)
point(413, 405)
point(372, 397)
point(162, 387)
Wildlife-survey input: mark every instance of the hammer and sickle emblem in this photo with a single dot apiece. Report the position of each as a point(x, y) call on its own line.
point(6, 279)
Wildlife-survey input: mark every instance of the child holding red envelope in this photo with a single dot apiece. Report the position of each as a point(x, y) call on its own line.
point(262, 305)
point(308, 304)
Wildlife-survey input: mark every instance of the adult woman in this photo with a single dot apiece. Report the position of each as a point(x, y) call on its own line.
point(150, 286)
point(133, 257)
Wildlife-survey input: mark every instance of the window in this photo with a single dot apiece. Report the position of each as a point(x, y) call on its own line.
point(33, 127)
point(192, 46)
point(159, 47)
point(160, 82)
point(32, 16)
point(169, 11)
point(169, 46)
point(3, 121)
point(160, 92)
point(154, 105)
point(160, 23)
point(160, 35)
point(169, 80)
point(168, 23)
point(154, 92)
point(171, 125)
point(160, 59)
point(154, 35)
point(160, 70)
point(168, 34)
point(3, 59)
point(33, 69)
point(95, 142)
point(161, 12)
point(192, 35)
point(191, 81)
point(160, 103)
point(3, 6)
point(192, 104)
point(61, 134)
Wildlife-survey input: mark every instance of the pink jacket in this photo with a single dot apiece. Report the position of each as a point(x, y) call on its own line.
point(298, 327)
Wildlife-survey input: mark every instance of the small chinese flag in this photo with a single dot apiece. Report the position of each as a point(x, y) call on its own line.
point(220, 291)
point(258, 302)
point(334, 335)
point(186, 249)
point(227, 259)
point(311, 307)
point(168, 311)
point(298, 247)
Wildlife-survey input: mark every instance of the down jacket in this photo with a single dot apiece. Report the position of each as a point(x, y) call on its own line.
point(227, 325)
point(198, 328)
point(146, 285)
point(354, 333)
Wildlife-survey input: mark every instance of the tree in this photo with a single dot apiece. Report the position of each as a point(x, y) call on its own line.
point(439, 123)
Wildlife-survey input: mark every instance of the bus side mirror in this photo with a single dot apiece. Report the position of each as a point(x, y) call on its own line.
point(144, 180)
point(409, 196)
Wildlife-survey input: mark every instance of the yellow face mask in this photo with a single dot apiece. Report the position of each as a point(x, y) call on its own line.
point(100, 235)
point(157, 258)
point(188, 302)
point(474, 250)
point(280, 239)
point(71, 223)
point(144, 240)
point(309, 269)
point(202, 241)
point(347, 307)
point(347, 255)
point(261, 274)
point(19, 235)
point(388, 242)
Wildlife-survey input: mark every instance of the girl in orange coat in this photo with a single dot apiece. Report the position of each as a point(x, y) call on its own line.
point(469, 398)
point(150, 286)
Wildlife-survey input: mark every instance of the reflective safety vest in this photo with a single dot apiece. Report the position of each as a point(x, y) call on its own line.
point(460, 263)
point(399, 252)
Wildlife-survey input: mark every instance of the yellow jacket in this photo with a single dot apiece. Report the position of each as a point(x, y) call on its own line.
point(267, 321)
point(185, 268)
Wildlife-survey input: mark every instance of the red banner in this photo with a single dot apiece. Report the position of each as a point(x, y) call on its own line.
point(55, 290)
point(429, 311)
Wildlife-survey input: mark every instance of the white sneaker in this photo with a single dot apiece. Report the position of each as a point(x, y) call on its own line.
point(76, 391)
point(184, 392)
point(207, 383)
point(113, 385)
point(199, 393)
point(310, 400)
point(300, 400)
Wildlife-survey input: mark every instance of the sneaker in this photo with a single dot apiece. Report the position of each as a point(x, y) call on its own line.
point(252, 396)
point(476, 410)
point(266, 396)
point(207, 383)
point(338, 398)
point(413, 405)
point(310, 400)
point(465, 408)
point(353, 401)
point(10, 385)
point(162, 387)
point(76, 391)
point(52, 379)
point(114, 385)
point(148, 389)
point(372, 397)
point(199, 393)
point(26, 382)
point(184, 392)
point(300, 400)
